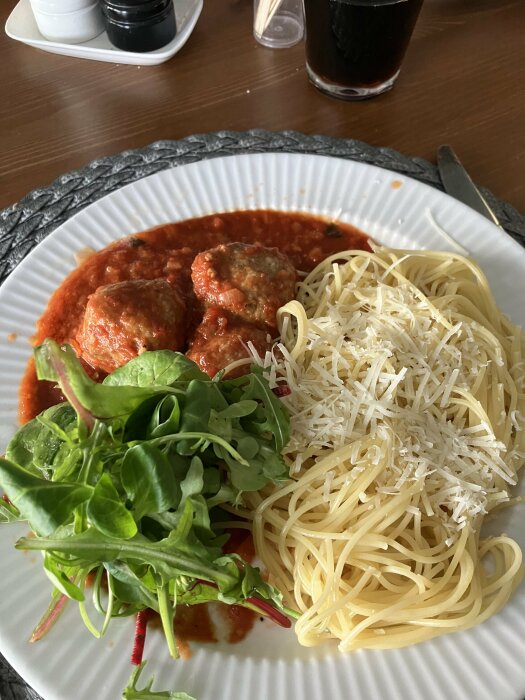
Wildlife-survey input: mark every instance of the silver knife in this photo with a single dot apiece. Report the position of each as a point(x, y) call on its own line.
point(458, 184)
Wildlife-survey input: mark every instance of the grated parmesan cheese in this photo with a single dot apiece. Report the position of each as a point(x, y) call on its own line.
point(381, 360)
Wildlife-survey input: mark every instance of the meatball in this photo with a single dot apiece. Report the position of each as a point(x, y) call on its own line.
point(221, 339)
point(124, 319)
point(246, 280)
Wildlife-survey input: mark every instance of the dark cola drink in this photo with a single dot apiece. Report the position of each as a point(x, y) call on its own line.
point(354, 48)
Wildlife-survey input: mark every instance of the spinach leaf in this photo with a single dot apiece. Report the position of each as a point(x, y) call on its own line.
point(199, 400)
point(148, 479)
point(165, 418)
point(137, 425)
point(89, 399)
point(107, 512)
point(37, 444)
point(44, 504)
point(155, 368)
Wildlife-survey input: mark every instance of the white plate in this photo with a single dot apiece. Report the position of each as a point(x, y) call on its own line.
point(486, 662)
point(21, 25)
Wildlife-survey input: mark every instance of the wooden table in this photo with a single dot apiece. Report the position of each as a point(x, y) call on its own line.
point(461, 83)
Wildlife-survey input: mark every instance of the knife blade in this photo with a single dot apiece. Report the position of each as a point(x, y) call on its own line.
point(458, 183)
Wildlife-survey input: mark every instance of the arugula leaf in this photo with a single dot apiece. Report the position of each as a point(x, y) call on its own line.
point(131, 692)
point(170, 557)
point(244, 479)
point(193, 484)
point(271, 415)
point(130, 587)
point(192, 488)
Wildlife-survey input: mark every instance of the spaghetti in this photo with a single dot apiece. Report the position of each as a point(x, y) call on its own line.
point(407, 409)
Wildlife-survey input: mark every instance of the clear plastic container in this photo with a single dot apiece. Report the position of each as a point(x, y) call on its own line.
point(278, 24)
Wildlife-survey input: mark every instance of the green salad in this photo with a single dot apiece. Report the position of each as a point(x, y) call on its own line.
point(123, 486)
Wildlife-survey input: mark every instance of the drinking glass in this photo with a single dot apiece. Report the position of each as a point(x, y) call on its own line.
point(355, 48)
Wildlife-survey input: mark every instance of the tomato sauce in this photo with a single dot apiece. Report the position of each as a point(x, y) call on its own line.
point(195, 623)
point(167, 252)
point(208, 623)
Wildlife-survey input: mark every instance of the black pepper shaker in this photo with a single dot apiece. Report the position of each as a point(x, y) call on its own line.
point(139, 25)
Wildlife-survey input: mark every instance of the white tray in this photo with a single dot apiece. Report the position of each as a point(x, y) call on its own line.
point(21, 26)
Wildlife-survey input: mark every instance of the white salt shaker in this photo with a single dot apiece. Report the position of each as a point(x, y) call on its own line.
point(68, 21)
point(278, 23)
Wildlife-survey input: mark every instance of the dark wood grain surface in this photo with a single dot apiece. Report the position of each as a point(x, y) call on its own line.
point(463, 82)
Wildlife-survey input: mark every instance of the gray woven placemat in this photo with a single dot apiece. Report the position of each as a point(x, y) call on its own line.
point(26, 223)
